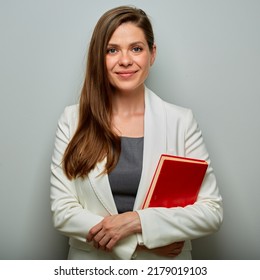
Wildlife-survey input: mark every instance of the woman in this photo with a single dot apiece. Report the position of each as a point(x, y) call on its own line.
point(107, 149)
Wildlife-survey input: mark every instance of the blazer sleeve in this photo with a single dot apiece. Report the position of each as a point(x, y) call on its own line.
point(200, 219)
point(69, 216)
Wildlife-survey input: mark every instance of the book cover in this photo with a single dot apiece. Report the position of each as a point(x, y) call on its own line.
point(176, 182)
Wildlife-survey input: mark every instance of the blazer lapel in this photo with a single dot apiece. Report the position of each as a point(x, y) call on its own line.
point(100, 184)
point(155, 142)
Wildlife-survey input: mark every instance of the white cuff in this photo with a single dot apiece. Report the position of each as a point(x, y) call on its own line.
point(140, 239)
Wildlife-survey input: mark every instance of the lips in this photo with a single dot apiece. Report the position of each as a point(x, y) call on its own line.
point(125, 74)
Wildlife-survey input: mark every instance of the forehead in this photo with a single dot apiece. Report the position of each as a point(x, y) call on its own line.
point(127, 33)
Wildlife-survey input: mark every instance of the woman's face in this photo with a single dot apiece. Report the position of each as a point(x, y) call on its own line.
point(128, 58)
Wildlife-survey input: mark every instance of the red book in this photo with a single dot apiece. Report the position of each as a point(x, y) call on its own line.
point(176, 182)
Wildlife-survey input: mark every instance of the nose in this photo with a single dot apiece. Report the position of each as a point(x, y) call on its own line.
point(125, 59)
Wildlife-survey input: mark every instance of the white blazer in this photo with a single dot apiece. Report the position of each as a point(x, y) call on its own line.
point(80, 204)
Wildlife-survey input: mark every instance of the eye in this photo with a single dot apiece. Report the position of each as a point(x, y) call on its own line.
point(111, 50)
point(137, 49)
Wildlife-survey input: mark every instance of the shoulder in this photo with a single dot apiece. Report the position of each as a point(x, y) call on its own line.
point(71, 111)
point(68, 120)
point(176, 109)
point(171, 110)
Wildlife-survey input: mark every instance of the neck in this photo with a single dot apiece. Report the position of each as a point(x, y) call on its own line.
point(128, 103)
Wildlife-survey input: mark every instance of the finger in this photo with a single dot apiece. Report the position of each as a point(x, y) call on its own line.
point(174, 253)
point(95, 244)
point(177, 245)
point(97, 237)
point(93, 231)
point(112, 242)
point(104, 242)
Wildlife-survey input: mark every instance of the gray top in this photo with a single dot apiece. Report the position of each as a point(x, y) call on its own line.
point(124, 179)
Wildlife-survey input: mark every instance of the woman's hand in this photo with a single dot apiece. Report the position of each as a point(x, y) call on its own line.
point(171, 250)
point(111, 229)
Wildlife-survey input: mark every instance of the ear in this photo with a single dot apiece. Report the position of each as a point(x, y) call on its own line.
point(153, 55)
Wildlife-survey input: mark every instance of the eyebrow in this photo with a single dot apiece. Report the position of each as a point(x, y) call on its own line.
point(132, 44)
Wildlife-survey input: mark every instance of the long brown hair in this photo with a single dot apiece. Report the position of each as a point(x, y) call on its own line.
point(94, 138)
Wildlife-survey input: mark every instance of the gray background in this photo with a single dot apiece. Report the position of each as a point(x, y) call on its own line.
point(208, 59)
